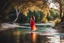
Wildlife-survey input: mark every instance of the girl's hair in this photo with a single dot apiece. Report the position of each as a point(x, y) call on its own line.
point(33, 17)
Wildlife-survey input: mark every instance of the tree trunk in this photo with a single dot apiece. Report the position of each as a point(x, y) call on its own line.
point(60, 11)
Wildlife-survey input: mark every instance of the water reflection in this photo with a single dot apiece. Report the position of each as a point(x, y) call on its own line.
point(33, 37)
point(54, 39)
point(20, 36)
point(37, 38)
point(17, 34)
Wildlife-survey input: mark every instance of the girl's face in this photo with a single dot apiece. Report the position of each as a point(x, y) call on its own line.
point(31, 18)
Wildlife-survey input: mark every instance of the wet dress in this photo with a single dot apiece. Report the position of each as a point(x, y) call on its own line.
point(32, 25)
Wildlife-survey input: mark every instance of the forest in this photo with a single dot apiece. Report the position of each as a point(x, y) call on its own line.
point(26, 8)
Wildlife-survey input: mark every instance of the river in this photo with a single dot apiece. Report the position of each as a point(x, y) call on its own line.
point(25, 35)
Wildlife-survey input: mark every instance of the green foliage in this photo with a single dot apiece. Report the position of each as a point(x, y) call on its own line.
point(38, 15)
point(50, 18)
point(53, 14)
point(22, 18)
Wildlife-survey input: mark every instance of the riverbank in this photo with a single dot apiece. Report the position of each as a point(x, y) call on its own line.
point(60, 27)
point(6, 26)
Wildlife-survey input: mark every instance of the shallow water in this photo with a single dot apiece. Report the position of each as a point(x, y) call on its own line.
point(25, 35)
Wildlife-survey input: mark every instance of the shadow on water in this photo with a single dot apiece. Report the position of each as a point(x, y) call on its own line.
point(26, 36)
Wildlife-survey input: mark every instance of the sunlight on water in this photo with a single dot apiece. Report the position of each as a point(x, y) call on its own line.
point(54, 39)
point(46, 38)
point(25, 35)
point(17, 34)
point(33, 37)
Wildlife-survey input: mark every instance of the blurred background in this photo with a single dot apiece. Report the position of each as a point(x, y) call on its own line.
point(49, 17)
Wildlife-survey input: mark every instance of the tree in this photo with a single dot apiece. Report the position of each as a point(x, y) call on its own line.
point(53, 14)
point(61, 4)
point(38, 15)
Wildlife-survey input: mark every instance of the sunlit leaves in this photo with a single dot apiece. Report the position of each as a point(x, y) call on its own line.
point(61, 4)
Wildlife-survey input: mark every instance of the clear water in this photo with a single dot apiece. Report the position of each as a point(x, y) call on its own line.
point(25, 35)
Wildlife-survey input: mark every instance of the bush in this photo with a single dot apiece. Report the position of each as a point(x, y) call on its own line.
point(38, 16)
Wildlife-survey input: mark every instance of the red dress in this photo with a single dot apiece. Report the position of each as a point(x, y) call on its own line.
point(32, 25)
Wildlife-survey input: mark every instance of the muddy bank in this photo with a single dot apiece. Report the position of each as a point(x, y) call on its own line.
point(60, 27)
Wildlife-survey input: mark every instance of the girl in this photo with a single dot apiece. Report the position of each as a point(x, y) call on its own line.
point(32, 23)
